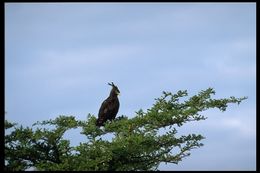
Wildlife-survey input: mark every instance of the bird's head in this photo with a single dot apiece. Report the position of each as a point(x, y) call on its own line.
point(114, 88)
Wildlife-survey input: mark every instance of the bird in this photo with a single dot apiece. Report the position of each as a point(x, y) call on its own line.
point(109, 107)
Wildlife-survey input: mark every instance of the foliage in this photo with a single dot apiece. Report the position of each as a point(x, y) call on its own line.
point(136, 143)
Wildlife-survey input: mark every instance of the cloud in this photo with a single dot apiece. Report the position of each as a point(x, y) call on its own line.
point(237, 120)
point(244, 127)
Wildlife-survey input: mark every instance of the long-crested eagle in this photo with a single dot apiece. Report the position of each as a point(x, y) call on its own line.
point(109, 107)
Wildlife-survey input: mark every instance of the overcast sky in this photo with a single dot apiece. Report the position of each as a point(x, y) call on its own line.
point(60, 57)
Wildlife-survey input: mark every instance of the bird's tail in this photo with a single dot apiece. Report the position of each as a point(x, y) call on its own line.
point(99, 122)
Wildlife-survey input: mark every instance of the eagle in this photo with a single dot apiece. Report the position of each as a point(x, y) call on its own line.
point(109, 107)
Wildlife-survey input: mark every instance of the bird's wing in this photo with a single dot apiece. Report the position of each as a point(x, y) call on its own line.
point(103, 109)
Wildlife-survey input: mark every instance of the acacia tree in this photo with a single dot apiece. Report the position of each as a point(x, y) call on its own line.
point(136, 143)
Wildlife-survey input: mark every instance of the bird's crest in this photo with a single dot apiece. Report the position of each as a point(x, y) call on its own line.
point(112, 84)
point(114, 89)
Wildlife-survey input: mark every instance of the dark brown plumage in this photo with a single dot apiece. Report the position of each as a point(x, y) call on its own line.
point(109, 107)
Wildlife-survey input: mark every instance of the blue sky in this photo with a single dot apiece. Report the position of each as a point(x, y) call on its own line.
point(60, 57)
